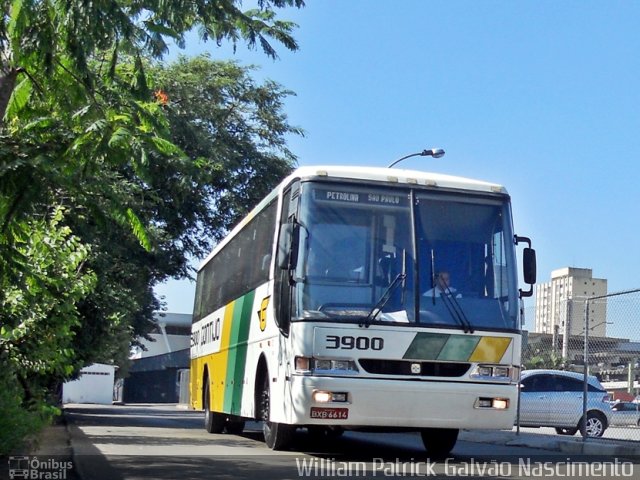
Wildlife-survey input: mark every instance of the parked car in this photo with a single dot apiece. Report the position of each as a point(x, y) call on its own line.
point(553, 398)
point(625, 413)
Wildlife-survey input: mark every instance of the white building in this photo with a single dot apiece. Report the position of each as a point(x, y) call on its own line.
point(94, 385)
point(560, 303)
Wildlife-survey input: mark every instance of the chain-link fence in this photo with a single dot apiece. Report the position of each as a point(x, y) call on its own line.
point(561, 334)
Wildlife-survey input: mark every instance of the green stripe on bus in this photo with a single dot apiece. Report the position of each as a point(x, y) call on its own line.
point(426, 346)
point(459, 348)
point(441, 346)
point(242, 309)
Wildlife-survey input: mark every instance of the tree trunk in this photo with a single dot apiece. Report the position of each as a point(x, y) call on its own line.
point(7, 84)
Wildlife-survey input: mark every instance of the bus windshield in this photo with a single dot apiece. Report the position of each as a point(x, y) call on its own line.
point(367, 253)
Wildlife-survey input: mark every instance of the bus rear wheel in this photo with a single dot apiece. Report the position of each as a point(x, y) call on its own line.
point(439, 441)
point(214, 422)
point(277, 436)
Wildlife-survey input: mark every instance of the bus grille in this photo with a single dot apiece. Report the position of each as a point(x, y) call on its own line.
point(403, 367)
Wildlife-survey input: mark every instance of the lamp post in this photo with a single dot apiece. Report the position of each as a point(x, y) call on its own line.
point(583, 421)
point(432, 152)
point(593, 327)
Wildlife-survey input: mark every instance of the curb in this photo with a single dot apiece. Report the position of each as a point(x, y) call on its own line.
point(568, 445)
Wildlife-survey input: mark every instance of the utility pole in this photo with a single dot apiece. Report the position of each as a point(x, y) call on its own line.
point(567, 330)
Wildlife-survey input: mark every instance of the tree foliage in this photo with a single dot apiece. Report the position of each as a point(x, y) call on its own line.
point(537, 357)
point(39, 36)
point(229, 127)
point(41, 282)
point(116, 169)
point(41, 285)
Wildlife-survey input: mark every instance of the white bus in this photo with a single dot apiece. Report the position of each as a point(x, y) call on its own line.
point(328, 308)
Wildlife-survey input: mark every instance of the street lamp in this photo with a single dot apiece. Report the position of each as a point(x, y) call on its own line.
point(595, 326)
point(432, 152)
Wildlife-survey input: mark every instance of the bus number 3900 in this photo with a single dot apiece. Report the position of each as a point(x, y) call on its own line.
point(349, 343)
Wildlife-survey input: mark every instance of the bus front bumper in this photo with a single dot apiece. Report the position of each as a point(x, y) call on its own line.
point(401, 403)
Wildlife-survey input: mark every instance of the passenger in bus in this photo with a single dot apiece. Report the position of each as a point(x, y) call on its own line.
point(442, 286)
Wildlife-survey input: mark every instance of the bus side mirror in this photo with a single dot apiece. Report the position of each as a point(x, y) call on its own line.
point(288, 241)
point(528, 265)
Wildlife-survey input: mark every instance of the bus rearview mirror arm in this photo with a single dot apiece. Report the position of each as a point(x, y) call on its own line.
point(528, 265)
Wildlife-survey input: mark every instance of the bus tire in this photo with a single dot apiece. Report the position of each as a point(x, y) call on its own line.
point(277, 436)
point(439, 441)
point(214, 422)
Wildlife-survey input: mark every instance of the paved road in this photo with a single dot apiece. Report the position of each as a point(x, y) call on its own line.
point(144, 442)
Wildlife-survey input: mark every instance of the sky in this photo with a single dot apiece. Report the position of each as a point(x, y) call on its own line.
point(540, 96)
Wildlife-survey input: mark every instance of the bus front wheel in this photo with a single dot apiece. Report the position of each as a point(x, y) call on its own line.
point(277, 436)
point(214, 422)
point(439, 441)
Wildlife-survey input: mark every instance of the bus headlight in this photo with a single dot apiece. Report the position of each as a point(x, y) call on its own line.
point(321, 396)
point(493, 373)
point(322, 364)
point(326, 366)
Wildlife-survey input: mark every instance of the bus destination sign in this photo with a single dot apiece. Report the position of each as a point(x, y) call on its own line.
point(359, 197)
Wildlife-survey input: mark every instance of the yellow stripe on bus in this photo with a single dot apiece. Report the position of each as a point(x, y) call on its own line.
point(490, 349)
point(220, 361)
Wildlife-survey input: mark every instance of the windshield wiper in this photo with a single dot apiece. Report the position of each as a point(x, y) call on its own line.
point(455, 310)
point(451, 303)
point(377, 308)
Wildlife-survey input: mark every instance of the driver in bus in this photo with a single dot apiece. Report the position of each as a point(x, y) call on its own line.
point(442, 286)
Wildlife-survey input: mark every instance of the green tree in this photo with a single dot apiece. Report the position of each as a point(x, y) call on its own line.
point(39, 36)
point(67, 57)
point(92, 125)
point(40, 286)
point(233, 131)
point(231, 134)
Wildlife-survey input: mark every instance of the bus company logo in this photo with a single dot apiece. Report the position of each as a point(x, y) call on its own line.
point(34, 468)
point(262, 313)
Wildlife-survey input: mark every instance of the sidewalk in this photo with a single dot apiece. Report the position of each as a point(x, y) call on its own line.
point(54, 442)
point(572, 445)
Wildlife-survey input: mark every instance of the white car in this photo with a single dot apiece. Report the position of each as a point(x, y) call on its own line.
point(553, 398)
point(625, 413)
